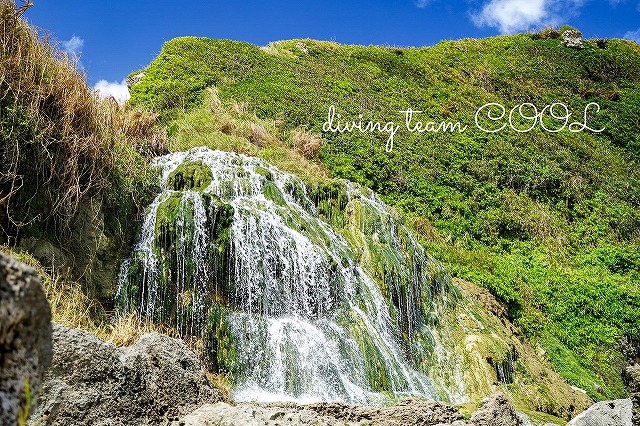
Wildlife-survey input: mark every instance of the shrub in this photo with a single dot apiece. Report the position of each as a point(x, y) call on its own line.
point(547, 33)
point(306, 143)
point(58, 140)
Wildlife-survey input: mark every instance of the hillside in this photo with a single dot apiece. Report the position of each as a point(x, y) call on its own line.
point(548, 222)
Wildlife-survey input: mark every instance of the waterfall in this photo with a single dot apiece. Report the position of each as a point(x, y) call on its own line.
point(303, 291)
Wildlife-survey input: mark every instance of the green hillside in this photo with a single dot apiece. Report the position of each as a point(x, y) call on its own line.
point(549, 222)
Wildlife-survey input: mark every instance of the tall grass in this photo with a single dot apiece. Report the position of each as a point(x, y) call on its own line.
point(57, 137)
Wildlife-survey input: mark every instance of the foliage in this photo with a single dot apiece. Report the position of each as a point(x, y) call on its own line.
point(548, 222)
point(59, 144)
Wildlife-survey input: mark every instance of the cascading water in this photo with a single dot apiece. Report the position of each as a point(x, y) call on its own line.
point(301, 291)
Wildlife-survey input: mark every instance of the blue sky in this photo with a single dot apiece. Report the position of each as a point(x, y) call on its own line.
point(114, 38)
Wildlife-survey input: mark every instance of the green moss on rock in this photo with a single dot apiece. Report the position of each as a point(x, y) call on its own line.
point(191, 175)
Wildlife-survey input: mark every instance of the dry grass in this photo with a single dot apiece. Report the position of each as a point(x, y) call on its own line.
point(259, 136)
point(222, 383)
point(57, 135)
point(233, 128)
point(71, 307)
point(125, 330)
point(71, 124)
point(307, 144)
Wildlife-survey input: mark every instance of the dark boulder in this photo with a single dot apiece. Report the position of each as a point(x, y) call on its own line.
point(25, 338)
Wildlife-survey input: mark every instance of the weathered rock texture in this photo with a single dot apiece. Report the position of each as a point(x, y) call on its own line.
point(631, 349)
point(407, 412)
point(633, 375)
point(496, 411)
point(25, 338)
point(91, 382)
point(573, 39)
point(605, 413)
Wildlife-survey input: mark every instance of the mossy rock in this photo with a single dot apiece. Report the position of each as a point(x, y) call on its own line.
point(273, 193)
point(190, 175)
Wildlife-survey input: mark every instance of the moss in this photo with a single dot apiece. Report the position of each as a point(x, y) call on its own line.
point(264, 172)
point(167, 213)
point(219, 349)
point(273, 193)
point(190, 176)
point(375, 368)
point(330, 198)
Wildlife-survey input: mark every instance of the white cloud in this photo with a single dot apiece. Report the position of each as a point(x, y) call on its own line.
point(119, 91)
point(422, 3)
point(73, 46)
point(633, 35)
point(510, 16)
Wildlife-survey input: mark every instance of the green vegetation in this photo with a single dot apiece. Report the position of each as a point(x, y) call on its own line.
point(548, 222)
point(73, 168)
point(190, 176)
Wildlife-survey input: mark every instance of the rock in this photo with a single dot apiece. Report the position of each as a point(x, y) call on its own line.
point(524, 419)
point(302, 47)
point(411, 411)
point(134, 79)
point(495, 411)
point(631, 350)
point(572, 39)
point(25, 338)
point(632, 374)
point(91, 382)
point(222, 414)
point(605, 413)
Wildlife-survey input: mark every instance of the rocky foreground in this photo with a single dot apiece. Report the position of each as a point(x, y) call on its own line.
point(159, 381)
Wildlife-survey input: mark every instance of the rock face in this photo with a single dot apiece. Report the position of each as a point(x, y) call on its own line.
point(134, 79)
point(573, 39)
point(605, 413)
point(496, 411)
point(407, 412)
point(25, 338)
point(631, 349)
point(633, 375)
point(91, 382)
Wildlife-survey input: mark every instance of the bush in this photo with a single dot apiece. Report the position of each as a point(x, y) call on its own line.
point(58, 140)
point(307, 144)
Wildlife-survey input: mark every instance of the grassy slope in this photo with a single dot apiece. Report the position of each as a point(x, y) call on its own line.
point(550, 223)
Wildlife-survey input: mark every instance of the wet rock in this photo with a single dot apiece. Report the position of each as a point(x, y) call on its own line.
point(496, 411)
point(92, 382)
point(605, 413)
point(25, 338)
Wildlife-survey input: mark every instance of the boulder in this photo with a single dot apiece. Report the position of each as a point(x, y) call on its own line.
point(25, 338)
point(91, 382)
point(496, 411)
point(572, 39)
point(134, 79)
point(605, 413)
